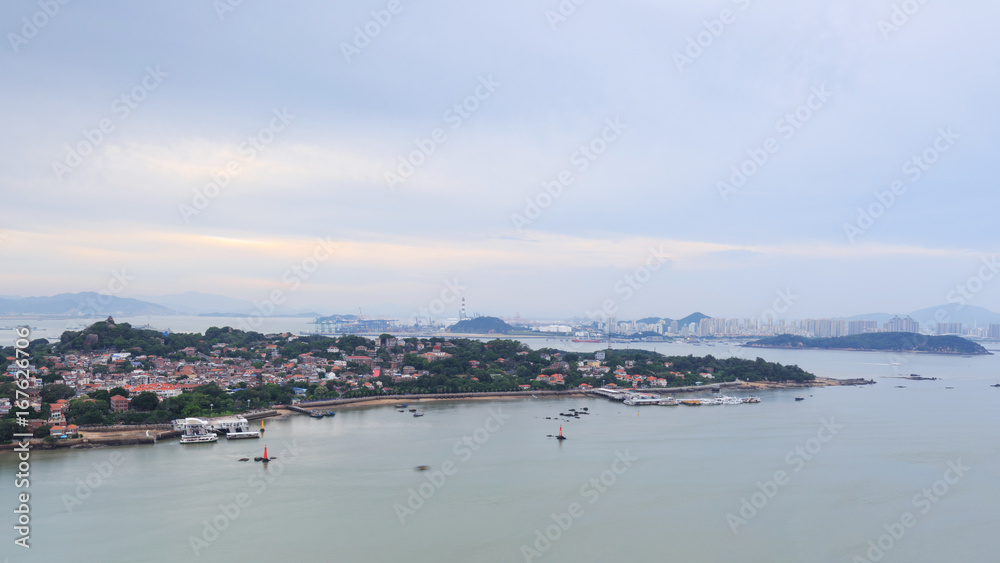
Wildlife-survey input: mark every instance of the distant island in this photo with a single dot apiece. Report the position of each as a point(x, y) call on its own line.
point(481, 325)
point(877, 341)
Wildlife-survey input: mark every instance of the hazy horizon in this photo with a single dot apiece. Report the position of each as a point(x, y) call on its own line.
point(546, 164)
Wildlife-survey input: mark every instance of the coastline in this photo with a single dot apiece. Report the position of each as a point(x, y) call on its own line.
point(112, 436)
point(893, 351)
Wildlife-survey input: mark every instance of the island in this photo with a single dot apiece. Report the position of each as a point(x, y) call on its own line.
point(113, 374)
point(876, 342)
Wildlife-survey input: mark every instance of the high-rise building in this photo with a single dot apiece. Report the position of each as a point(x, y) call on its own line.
point(993, 331)
point(949, 328)
point(897, 324)
point(861, 327)
point(825, 328)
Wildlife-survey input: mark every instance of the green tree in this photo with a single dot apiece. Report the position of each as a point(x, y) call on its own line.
point(145, 401)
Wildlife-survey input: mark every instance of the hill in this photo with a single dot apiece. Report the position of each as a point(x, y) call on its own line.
point(692, 318)
point(880, 341)
point(481, 325)
point(85, 304)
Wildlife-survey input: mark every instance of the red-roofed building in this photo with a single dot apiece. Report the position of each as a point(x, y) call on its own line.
point(119, 404)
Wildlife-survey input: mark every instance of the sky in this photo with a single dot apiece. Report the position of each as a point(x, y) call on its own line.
point(552, 159)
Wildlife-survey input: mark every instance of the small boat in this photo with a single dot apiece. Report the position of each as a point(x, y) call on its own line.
point(423, 467)
point(800, 398)
point(997, 385)
point(413, 410)
point(316, 414)
point(400, 405)
point(751, 399)
point(243, 459)
point(691, 402)
point(416, 414)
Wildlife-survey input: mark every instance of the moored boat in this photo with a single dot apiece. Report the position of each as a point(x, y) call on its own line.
point(195, 431)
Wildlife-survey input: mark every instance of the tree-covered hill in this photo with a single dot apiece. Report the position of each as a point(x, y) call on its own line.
point(878, 341)
point(481, 325)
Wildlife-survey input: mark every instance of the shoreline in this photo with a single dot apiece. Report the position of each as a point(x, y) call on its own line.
point(962, 354)
point(97, 438)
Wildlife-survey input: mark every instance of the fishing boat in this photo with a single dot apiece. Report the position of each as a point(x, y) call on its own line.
point(416, 414)
point(800, 398)
point(752, 399)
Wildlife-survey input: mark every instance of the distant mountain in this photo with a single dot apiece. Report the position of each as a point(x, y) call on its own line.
point(955, 313)
point(196, 303)
point(85, 304)
point(877, 341)
point(692, 318)
point(481, 325)
point(881, 318)
point(950, 313)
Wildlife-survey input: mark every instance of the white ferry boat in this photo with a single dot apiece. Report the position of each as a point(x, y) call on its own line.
point(234, 427)
point(639, 399)
point(195, 431)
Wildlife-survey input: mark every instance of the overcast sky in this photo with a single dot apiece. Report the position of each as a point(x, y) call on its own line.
point(336, 96)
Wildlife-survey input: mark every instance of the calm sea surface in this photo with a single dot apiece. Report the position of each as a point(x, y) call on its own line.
point(907, 474)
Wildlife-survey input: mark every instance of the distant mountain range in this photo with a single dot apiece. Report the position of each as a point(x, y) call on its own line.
point(692, 318)
point(195, 303)
point(86, 304)
point(91, 304)
point(950, 313)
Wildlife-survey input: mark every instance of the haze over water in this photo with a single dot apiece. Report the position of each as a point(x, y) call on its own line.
point(337, 496)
